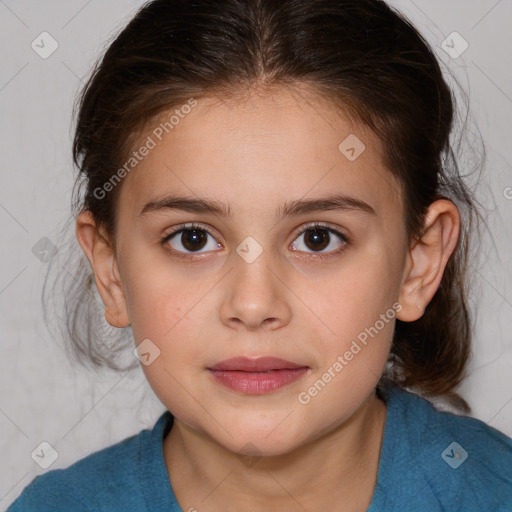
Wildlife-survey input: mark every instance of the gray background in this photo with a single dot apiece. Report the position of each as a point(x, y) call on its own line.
point(42, 396)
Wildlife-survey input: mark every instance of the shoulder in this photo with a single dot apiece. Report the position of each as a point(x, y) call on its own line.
point(108, 479)
point(485, 446)
point(454, 462)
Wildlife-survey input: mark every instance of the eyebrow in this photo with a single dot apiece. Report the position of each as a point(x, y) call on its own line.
point(290, 208)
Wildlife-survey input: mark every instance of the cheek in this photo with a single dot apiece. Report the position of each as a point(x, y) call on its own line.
point(357, 306)
point(168, 308)
point(165, 316)
point(356, 293)
point(158, 295)
point(160, 289)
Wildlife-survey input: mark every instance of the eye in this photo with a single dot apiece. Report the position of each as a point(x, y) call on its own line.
point(193, 239)
point(318, 237)
point(189, 239)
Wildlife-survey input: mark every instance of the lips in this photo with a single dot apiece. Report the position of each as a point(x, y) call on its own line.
point(256, 376)
point(260, 364)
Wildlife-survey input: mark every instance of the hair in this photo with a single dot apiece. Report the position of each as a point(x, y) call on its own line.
point(363, 56)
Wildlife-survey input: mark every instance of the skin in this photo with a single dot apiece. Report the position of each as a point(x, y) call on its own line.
point(255, 152)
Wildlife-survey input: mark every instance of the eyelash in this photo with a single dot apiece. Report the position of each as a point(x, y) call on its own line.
point(312, 225)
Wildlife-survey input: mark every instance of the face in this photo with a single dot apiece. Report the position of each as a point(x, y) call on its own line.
point(261, 281)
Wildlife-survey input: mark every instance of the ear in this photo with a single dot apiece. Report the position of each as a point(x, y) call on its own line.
point(427, 259)
point(100, 253)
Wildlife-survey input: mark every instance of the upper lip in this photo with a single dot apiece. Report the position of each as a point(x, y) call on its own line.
point(259, 364)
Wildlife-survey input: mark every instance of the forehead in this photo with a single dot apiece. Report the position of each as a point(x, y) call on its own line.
point(258, 149)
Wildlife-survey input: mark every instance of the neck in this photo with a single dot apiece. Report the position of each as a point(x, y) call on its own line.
point(339, 467)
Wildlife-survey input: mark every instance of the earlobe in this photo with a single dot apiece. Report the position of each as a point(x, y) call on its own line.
point(427, 259)
point(100, 254)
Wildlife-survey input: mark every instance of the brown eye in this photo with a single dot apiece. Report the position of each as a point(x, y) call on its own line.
point(317, 238)
point(192, 239)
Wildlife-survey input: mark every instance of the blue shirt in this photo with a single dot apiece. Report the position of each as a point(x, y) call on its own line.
point(430, 461)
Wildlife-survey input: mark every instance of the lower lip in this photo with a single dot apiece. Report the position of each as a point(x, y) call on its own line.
point(257, 383)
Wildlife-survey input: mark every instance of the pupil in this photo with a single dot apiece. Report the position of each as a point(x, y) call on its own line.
point(193, 239)
point(319, 237)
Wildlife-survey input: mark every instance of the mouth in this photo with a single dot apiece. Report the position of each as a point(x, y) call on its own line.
point(256, 376)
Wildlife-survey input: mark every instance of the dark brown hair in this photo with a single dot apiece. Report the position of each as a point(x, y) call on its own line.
point(362, 55)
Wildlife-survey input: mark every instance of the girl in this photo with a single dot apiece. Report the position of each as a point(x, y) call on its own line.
point(272, 207)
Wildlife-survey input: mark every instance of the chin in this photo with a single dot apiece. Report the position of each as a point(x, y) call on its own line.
point(260, 447)
point(248, 438)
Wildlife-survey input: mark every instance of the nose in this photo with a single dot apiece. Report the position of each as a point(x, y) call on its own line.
point(256, 294)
